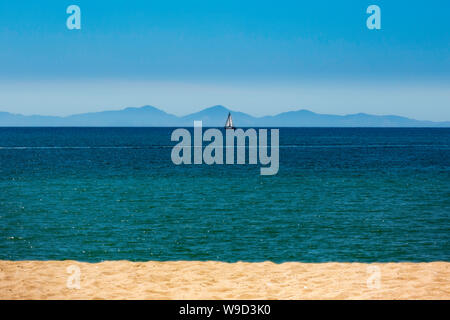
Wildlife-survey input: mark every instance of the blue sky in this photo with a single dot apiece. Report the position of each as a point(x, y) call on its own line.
point(260, 57)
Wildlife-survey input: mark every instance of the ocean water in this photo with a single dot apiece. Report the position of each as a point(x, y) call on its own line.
point(341, 194)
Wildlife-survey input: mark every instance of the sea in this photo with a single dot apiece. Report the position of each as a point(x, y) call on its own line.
point(341, 194)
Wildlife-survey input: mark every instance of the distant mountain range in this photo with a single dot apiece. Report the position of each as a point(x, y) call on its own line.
point(215, 116)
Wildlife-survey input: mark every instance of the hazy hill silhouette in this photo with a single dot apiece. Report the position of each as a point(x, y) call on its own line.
point(149, 116)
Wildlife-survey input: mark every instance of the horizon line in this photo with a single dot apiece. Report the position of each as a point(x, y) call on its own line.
point(221, 106)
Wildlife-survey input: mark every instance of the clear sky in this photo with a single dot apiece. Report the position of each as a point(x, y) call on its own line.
point(259, 57)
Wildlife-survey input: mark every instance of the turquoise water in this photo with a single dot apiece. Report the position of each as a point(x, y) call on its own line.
point(347, 194)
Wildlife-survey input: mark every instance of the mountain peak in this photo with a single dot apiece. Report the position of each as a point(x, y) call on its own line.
point(216, 108)
point(304, 111)
point(143, 108)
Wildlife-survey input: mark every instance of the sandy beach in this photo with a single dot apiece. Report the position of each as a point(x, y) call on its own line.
point(219, 280)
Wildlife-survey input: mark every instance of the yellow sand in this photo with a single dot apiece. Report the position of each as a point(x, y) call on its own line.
point(218, 280)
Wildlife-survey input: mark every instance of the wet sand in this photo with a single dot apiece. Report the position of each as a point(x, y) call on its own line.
point(219, 280)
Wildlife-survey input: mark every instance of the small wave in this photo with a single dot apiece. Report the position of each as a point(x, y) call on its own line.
point(281, 146)
point(87, 147)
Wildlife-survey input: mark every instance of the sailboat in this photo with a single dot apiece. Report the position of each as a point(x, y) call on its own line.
point(229, 123)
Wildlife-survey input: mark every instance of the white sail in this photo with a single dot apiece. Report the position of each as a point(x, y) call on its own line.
point(229, 123)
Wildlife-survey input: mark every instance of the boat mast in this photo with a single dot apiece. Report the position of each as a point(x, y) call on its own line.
point(229, 122)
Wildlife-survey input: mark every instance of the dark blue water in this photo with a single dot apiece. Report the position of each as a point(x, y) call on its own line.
point(347, 194)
